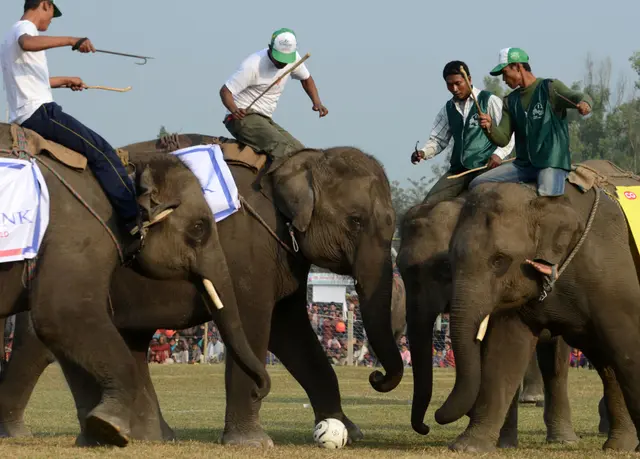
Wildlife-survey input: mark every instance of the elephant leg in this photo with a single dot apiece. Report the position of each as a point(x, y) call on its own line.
point(74, 324)
point(553, 357)
point(622, 432)
point(603, 425)
point(147, 422)
point(293, 337)
point(508, 437)
point(242, 415)
point(533, 384)
point(29, 359)
point(506, 354)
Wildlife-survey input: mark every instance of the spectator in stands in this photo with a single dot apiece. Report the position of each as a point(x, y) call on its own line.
point(406, 356)
point(215, 350)
point(181, 353)
point(577, 359)
point(160, 350)
point(195, 354)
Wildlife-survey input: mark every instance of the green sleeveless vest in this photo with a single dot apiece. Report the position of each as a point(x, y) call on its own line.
point(471, 147)
point(542, 137)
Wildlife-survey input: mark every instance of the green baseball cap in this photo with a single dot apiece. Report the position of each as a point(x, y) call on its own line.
point(509, 56)
point(283, 46)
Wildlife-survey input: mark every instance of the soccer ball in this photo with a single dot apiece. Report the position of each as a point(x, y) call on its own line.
point(330, 433)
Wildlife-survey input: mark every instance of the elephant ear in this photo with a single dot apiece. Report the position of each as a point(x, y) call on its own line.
point(558, 229)
point(295, 197)
point(148, 197)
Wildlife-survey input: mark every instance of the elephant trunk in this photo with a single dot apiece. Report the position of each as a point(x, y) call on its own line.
point(374, 276)
point(420, 335)
point(468, 309)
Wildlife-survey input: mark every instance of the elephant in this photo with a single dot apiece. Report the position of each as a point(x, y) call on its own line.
point(67, 297)
point(424, 264)
point(503, 255)
point(334, 206)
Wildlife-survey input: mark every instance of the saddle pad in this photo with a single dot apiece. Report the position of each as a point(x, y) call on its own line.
point(629, 198)
point(24, 209)
point(219, 187)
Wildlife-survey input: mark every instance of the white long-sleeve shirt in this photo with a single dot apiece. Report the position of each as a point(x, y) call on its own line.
point(441, 132)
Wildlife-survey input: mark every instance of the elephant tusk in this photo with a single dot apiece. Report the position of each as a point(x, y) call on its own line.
point(482, 330)
point(212, 293)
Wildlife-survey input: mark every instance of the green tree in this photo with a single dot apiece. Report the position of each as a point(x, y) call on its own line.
point(496, 86)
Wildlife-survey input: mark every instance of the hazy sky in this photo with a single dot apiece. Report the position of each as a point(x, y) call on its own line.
point(377, 64)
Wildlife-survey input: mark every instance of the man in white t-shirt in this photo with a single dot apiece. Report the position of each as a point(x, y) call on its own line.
point(28, 86)
point(256, 127)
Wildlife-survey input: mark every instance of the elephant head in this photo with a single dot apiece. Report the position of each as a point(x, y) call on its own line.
point(500, 227)
point(185, 245)
point(339, 203)
point(423, 261)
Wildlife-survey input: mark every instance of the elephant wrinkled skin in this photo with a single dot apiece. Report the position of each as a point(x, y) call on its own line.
point(67, 299)
point(594, 305)
point(424, 263)
point(339, 201)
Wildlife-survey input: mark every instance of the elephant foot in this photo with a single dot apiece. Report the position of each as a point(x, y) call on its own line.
point(167, 432)
point(563, 438)
point(255, 439)
point(106, 429)
point(531, 398)
point(508, 439)
point(472, 445)
point(626, 443)
point(14, 429)
point(355, 434)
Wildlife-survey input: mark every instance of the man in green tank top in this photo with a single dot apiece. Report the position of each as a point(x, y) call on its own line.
point(458, 120)
point(536, 111)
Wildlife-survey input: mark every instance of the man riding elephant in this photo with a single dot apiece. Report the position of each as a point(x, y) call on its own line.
point(541, 133)
point(28, 88)
point(458, 119)
point(255, 127)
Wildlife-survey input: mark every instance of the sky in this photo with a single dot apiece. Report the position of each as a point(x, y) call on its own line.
point(378, 65)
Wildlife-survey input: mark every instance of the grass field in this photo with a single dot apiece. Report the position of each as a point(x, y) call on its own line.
point(192, 398)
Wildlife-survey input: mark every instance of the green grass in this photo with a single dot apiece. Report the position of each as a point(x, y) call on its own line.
point(192, 398)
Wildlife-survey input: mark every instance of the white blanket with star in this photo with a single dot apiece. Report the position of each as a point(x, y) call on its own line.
point(219, 188)
point(24, 209)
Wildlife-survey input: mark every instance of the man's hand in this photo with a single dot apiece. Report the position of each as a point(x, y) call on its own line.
point(321, 109)
point(417, 156)
point(75, 84)
point(583, 108)
point(485, 121)
point(239, 113)
point(494, 162)
point(85, 47)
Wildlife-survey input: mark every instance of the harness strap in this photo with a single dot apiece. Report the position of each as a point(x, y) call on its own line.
point(257, 216)
point(548, 282)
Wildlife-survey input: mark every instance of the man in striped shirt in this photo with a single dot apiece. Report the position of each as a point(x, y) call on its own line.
point(458, 120)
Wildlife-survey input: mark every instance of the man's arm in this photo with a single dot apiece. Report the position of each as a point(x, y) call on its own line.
point(230, 104)
point(499, 134)
point(439, 137)
point(560, 93)
point(310, 88)
point(74, 83)
point(495, 110)
point(30, 43)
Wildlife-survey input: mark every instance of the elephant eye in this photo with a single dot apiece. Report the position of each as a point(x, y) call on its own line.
point(198, 231)
point(500, 263)
point(355, 222)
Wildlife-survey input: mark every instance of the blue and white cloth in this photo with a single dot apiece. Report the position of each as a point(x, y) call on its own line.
point(24, 209)
point(219, 188)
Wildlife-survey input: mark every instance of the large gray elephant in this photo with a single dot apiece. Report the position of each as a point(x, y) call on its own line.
point(504, 244)
point(423, 260)
point(339, 203)
point(67, 297)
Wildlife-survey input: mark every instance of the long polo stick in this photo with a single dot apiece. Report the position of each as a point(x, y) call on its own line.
point(466, 78)
point(299, 63)
point(106, 88)
point(462, 174)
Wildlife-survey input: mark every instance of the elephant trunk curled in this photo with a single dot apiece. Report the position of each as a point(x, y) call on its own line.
point(374, 275)
point(468, 309)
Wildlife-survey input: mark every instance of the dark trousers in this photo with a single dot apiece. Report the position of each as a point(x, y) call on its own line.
point(446, 189)
point(53, 124)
